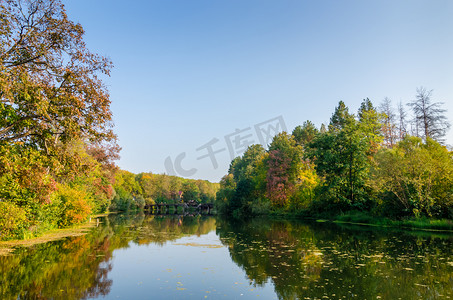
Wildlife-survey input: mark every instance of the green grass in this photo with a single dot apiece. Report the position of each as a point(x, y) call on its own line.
point(356, 217)
point(363, 218)
point(426, 223)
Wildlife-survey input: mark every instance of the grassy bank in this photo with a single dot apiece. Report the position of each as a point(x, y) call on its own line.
point(361, 218)
point(365, 219)
point(6, 247)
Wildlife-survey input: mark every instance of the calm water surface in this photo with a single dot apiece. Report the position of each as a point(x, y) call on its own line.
point(171, 257)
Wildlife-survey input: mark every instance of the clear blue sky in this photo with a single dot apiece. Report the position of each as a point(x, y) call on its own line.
point(190, 71)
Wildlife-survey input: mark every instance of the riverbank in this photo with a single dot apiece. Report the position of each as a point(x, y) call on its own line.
point(411, 223)
point(6, 247)
point(129, 255)
point(364, 219)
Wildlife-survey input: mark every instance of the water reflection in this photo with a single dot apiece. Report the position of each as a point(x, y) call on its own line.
point(309, 261)
point(78, 267)
point(279, 259)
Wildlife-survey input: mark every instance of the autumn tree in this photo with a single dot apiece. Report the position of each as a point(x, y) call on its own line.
point(56, 136)
point(284, 164)
point(50, 86)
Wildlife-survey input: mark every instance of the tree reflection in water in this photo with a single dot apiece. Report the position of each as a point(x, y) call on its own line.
point(330, 261)
point(78, 267)
point(300, 260)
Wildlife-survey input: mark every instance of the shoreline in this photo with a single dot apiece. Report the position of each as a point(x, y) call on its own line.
point(8, 247)
point(363, 219)
point(425, 225)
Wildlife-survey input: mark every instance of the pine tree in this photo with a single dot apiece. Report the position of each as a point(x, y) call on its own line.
point(340, 118)
point(305, 134)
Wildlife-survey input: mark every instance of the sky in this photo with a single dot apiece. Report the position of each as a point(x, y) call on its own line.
point(195, 82)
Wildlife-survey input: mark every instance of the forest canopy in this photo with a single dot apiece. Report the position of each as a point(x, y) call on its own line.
point(377, 161)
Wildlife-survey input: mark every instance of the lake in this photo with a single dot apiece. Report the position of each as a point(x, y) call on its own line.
point(141, 256)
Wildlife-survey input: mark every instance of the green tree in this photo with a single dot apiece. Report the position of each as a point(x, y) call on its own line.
point(415, 178)
point(244, 171)
point(370, 126)
point(225, 194)
point(305, 134)
point(340, 118)
point(340, 158)
point(190, 191)
point(128, 192)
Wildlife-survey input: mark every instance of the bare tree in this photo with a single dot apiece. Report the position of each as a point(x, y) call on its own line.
point(388, 122)
point(430, 120)
point(402, 130)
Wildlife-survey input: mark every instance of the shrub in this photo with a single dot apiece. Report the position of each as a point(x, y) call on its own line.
point(13, 220)
point(75, 205)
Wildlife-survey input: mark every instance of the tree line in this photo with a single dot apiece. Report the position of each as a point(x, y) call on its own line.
point(378, 161)
point(133, 191)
